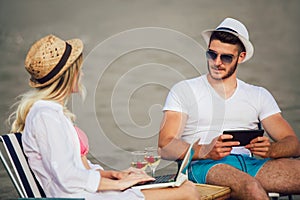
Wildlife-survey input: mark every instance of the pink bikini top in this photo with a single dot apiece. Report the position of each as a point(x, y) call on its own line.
point(84, 141)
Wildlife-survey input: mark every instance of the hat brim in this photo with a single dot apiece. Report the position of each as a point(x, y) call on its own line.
point(77, 48)
point(248, 45)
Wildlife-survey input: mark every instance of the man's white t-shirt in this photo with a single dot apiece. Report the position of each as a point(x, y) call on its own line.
point(208, 114)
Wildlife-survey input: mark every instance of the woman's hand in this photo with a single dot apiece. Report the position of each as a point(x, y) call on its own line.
point(132, 179)
point(122, 180)
point(134, 170)
point(109, 174)
point(260, 146)
point(116, 175)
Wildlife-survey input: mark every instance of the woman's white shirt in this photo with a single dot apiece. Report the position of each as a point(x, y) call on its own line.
point(51, 144)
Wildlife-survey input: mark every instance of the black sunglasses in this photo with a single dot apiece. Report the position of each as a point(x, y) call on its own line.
point(225, 58)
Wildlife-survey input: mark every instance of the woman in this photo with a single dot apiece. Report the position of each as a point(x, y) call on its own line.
point(50, 139)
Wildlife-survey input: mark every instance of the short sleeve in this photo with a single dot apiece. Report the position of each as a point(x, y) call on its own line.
point(178, 98)
point(268, 105)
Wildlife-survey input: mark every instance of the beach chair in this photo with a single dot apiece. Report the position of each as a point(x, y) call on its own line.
point(23, 178)
point(276, 196)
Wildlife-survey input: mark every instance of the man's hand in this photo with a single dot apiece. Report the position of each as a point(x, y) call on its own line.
point(218, 149)
point(260, 146)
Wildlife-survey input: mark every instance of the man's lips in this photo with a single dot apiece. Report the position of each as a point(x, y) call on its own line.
point(217, 68)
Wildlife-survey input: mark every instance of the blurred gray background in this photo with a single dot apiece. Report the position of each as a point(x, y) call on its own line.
point(273, 26)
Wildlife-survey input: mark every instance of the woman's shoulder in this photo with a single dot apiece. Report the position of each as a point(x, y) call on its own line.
point(41, 110)
point(45, 106)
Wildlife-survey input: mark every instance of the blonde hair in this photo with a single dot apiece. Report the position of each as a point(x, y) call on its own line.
point(58, 91)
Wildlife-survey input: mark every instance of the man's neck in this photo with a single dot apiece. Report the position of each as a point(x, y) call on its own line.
point(224, 87)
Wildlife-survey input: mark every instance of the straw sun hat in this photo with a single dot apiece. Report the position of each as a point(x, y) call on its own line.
point(49, 58)
point(236, 28)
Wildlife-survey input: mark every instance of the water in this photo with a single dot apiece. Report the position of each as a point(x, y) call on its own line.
point(130, 92)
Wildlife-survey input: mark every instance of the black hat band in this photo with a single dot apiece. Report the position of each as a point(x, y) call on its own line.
point(57, 68)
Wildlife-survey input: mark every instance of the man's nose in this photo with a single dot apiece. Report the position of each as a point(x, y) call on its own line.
point(218, 60)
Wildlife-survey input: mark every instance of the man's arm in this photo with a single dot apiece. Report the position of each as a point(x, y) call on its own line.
point(286, 143)
point(173, 147)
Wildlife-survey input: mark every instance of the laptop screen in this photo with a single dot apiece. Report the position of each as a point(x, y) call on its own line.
point(186, 160)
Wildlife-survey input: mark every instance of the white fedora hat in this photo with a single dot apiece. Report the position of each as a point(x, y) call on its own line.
point(236, 28)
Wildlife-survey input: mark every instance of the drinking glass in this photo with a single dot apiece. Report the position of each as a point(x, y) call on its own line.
point(153, 158)
point(138, 160)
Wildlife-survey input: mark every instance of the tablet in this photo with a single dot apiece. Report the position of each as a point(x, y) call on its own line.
point(243, 136)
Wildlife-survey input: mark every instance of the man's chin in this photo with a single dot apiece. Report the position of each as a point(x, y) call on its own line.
point(216, 76)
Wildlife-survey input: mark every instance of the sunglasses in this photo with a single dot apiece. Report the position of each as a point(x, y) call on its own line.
point(225, 58)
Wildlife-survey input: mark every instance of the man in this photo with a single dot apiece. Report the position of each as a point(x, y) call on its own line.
point(200, 109)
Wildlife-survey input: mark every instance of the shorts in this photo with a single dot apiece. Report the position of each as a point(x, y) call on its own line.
point(198, 170)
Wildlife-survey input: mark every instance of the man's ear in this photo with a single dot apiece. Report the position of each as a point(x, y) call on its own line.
point(242, 57)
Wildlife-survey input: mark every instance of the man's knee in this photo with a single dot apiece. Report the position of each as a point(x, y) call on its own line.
point(253, 189)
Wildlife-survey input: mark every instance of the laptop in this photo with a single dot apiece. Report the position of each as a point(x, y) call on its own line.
point(169, 180)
